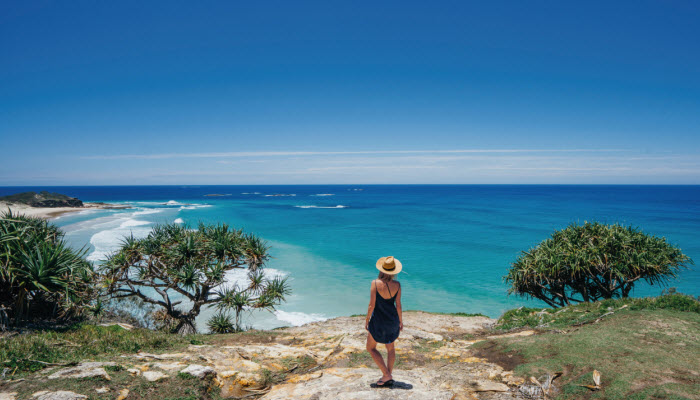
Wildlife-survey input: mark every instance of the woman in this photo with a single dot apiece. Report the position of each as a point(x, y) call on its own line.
point(384, 320)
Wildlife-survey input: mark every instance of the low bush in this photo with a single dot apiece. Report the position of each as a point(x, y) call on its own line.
point(524, 317)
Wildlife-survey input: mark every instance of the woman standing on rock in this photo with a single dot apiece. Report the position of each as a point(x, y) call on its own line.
point(384, 320)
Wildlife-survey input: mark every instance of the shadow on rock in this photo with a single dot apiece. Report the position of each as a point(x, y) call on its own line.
point(395, 385)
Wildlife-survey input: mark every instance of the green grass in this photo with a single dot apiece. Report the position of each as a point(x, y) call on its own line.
point(647, 350)
point(556, 318)
point(84, 341)
point(179, 387)
point(298, 363)
point(457, 314)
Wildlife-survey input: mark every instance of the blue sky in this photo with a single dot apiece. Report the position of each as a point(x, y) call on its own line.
point(267, 92)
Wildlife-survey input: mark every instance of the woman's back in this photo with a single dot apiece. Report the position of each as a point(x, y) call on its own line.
point(384, 323)
point(387, 290)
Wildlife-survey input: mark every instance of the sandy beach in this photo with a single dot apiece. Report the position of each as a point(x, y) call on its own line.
point(53, 212)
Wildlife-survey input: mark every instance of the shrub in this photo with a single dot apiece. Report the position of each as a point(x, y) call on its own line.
point(221, 323)
point(41, 277)
point(584, 263)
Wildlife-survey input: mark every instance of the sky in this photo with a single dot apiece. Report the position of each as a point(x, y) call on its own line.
point(324, 92)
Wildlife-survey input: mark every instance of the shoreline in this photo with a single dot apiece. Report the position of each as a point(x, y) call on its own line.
point(55, 212)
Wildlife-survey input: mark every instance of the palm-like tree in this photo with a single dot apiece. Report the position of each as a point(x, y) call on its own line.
point(40, 275)
point(593, 261)
point(183, 270)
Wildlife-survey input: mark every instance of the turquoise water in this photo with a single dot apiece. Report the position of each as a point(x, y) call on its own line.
point(455, 241)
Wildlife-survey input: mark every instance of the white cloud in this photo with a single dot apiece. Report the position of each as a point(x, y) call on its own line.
point(327, 153)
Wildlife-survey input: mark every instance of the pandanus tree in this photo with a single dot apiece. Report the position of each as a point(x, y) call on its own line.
point(183, 270)
point(593, 261)
point(40, 275)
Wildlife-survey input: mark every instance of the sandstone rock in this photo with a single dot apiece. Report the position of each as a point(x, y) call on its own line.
point(146, 356)
point(134, 371)
point(171, 366)
point(154, 376)
point(237, 384)
point(354, 383)
point(8, 395)
point(103, 389)
point(123, 394)
point(199, 371)
point(486, 385)
point(83, 370)
point(60, 395)
point(516, 334)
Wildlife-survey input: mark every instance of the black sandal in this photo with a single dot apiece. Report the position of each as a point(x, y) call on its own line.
point(381, 383)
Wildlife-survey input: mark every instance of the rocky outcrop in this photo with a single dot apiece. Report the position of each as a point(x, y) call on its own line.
point(43, 199)
point(84, 370)
point(328, 360)
point(59, 395)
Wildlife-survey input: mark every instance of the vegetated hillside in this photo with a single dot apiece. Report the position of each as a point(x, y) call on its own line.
point(643, 348)
point(43, 199)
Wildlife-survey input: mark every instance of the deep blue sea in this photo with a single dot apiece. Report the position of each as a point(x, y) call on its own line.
point(455, 241)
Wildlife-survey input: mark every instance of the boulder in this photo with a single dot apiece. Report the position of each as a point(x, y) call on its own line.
point(154, 376)
point(486, 385)
point(169, 366)
point(83, 370)
point(199, 371)
point(59, 395)
point(8, 395)
point(123, 394)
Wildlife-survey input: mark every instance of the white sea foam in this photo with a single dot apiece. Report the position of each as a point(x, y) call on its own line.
point(109, 240)
point(133, 222)
point(297, 318)
point(173, 203)
point(323, 194)
point(239, 277)
point(194, 206)
point(179, 221)
point(147, 211)
point(281, 195)
point(338, 206)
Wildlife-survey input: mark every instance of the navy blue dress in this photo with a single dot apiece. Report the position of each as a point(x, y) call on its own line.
point(384, 323)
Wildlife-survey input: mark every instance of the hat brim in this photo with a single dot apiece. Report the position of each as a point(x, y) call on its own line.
point(396, 270)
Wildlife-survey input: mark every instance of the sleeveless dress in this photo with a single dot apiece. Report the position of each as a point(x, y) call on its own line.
point(384, 323)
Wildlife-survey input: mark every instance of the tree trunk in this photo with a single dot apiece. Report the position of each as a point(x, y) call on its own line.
point(186, 326)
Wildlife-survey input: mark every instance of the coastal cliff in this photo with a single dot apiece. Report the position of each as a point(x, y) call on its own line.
point(322, 360)
point(631, 348)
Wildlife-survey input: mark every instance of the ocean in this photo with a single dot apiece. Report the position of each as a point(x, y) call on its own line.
point(456, 242)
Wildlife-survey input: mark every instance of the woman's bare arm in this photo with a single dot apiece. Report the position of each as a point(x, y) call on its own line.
point(372, 300)
point(398, 307)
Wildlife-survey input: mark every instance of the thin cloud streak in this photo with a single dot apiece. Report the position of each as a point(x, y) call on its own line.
point(323, 153)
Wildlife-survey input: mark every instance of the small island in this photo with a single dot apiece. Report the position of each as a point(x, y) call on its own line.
point(49, 205)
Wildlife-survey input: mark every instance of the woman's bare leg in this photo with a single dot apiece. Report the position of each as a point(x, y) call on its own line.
point(377, 357)
point(390, 358)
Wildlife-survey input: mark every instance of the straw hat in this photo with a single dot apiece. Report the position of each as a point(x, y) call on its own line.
point(389, 265)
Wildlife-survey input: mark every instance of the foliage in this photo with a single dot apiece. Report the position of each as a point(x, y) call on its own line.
point(583, 263)
point(221, 323)
point(182, 270)
point(40, 275)
point(84, 341)
point(548, 318)
point(641, 354)
point(43, 199)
